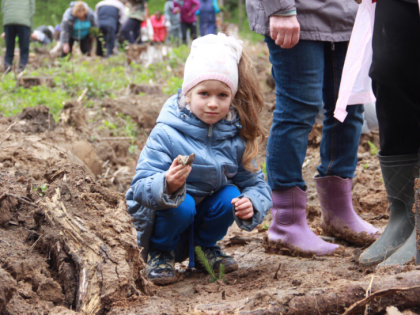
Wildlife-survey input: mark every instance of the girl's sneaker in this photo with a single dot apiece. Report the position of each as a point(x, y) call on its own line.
point(216, 257)
point(160, 267)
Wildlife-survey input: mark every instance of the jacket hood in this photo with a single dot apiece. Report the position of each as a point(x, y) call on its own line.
point(186, 122)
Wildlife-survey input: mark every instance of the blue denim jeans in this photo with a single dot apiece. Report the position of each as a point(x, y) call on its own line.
point(308, 77)
point(24, 33)
point(209, 220)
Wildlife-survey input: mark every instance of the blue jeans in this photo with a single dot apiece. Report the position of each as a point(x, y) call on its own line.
point(24, 34)
point(207, 23)
point(109, 35)
point(130, 31)
point(210, 220)
point(308, 77)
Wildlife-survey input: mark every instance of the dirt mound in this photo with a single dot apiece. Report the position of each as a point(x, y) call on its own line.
point(72, 239)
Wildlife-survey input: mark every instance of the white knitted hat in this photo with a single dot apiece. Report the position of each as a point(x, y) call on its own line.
point(213, 57)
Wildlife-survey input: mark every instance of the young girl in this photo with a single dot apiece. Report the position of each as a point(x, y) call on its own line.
point(216, 116)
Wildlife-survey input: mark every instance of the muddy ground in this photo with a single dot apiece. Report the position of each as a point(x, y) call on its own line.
point(67, 243)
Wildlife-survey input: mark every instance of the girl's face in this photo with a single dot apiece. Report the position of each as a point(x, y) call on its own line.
point(210, 101)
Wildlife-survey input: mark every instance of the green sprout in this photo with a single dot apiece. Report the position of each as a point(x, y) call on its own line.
point(205, 263)
point(373, 148)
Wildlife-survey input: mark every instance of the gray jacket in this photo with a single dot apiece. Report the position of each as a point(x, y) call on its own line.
point(69, 19)
point(327, 20)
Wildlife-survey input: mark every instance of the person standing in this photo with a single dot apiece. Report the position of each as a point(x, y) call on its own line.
point(111, 16)
point(173, 21)
point(207, 13)
point(395, 73)
point(75, 26)
point(307, 42)
point(130, 31)
point(17, 22)
point(188, 17)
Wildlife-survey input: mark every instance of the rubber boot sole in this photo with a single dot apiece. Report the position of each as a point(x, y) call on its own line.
point(358, 239)
point(281, 248)
point(163, 280)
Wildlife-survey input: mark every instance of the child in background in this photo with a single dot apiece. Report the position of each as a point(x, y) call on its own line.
point(159, 28)
point(216, 116)
point(173, 22)
point(187, 8)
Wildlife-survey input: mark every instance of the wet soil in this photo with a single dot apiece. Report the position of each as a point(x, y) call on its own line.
point(63, 219)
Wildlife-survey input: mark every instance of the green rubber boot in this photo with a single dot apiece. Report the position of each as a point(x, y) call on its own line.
point(398, 173)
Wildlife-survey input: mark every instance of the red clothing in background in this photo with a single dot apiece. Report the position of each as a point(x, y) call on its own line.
point(159, 28)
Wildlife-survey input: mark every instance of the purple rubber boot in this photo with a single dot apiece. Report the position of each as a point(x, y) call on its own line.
point(289, 232)
point(338, 216)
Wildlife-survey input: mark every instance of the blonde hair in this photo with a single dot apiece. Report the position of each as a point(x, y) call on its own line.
point(79, 9)
point(249, 103)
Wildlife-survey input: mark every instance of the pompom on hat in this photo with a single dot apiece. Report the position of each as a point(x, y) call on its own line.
point(213, 57)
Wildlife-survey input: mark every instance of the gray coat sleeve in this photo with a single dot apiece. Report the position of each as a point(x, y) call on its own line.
point(66, 25)
point(271, 7)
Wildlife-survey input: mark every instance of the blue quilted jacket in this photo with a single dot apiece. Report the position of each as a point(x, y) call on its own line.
point(218, 152)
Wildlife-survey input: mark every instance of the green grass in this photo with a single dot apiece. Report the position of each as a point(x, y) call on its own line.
point(102, 77)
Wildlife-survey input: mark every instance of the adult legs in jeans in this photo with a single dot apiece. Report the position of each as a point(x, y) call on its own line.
point(207, 23)
point(11, 33)
point(107, 41)
point(23, 33)
point(306, 76)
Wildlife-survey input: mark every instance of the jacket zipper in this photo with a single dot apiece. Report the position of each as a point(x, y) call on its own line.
point(209, 135)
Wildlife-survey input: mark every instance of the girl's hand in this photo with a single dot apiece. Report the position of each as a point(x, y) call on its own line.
point(243, 207)
point(176, 176)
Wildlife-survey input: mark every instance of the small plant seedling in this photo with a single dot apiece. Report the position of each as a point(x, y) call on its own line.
point(133, 148)
point(41, 189)
point(265, 227)
point(366, 166)
point(205, 263)
point(264, 168)
point(373, 148)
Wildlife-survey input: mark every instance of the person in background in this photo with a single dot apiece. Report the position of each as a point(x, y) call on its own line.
point(207, 13)
point(111, 16)
point(75, 26)
point(130, 31)
point(17, 22)
point(188, 17)
point(43, 35)
point(307, 43)
point(173, 22)
point(159, 29)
